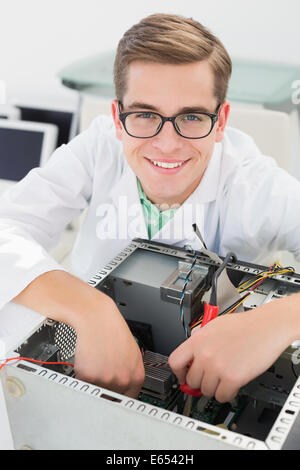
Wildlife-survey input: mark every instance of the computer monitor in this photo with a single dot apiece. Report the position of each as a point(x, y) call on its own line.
point(23, 146)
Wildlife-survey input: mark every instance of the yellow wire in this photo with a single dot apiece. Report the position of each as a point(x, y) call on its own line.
point(243, 287)
point(264, 273)
point(261, 276)
point(236, 306)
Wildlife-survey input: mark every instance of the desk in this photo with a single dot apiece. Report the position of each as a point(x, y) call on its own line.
point(91, 75)
point(269, 84)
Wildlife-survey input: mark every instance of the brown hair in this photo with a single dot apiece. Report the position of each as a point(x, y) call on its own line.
point(171, 39)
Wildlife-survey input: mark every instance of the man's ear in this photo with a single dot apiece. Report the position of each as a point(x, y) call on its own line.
point(222, 120)
point(115, 115)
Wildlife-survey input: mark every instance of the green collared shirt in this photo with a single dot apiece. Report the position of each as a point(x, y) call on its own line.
point(155, 218)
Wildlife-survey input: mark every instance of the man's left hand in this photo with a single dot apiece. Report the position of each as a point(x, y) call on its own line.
point(233, 349)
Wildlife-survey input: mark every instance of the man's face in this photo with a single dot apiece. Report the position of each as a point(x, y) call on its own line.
point(168, 89)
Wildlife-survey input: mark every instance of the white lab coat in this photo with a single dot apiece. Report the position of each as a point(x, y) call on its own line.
point(245, 204)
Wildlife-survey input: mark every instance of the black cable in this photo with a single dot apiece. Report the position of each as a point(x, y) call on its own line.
point(198, 233)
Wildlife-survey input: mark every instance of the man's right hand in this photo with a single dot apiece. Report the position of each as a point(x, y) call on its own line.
point(106, 352)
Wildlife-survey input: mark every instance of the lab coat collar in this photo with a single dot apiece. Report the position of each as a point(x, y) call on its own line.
point(208, 187)
point(125, 197)
point(179, 228)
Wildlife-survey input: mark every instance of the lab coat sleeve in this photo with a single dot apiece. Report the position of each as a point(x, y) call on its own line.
point(261, 211)
point(34, 212)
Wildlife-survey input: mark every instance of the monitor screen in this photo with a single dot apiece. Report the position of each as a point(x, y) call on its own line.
point(20, 151)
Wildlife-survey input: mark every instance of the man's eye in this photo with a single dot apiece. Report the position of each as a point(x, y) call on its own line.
point(192, 117)
point(145, 115)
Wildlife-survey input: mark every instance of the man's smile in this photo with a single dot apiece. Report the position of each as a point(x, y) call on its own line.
point(164, 166)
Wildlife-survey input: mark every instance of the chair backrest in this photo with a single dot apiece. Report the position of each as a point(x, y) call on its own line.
point(271, 130)
point(91, 108)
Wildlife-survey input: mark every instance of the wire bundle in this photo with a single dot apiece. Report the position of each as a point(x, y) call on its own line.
point(274, 270)
point(248, 287)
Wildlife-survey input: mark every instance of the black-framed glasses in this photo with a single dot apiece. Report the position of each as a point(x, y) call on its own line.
point(146, 124)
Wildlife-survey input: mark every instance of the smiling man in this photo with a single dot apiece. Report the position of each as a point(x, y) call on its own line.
point(164, 151)
point(169, 156)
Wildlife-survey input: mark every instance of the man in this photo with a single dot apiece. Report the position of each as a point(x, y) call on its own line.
point(167, 146)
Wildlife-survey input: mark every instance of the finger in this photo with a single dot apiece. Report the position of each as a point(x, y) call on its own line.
point(130, 388)
point(226, 391)
point(133, 392)
point(209, 384)
point(194, 375)
point(180, 359)
point(134, 387)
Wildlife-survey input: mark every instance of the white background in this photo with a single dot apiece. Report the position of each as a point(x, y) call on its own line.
point(38, 38)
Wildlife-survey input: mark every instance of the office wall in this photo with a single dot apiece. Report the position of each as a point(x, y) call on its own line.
point(37, 38)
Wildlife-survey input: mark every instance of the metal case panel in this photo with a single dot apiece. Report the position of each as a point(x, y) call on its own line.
point(59, 412)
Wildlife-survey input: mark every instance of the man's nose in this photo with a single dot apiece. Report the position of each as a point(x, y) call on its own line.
point(167, 140)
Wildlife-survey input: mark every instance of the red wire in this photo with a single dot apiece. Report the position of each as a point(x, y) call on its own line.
point(259, 282)
point(33, 360)
point(252, 288)
point(158, 364)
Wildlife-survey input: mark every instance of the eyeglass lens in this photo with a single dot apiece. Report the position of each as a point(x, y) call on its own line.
point(189, 125)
